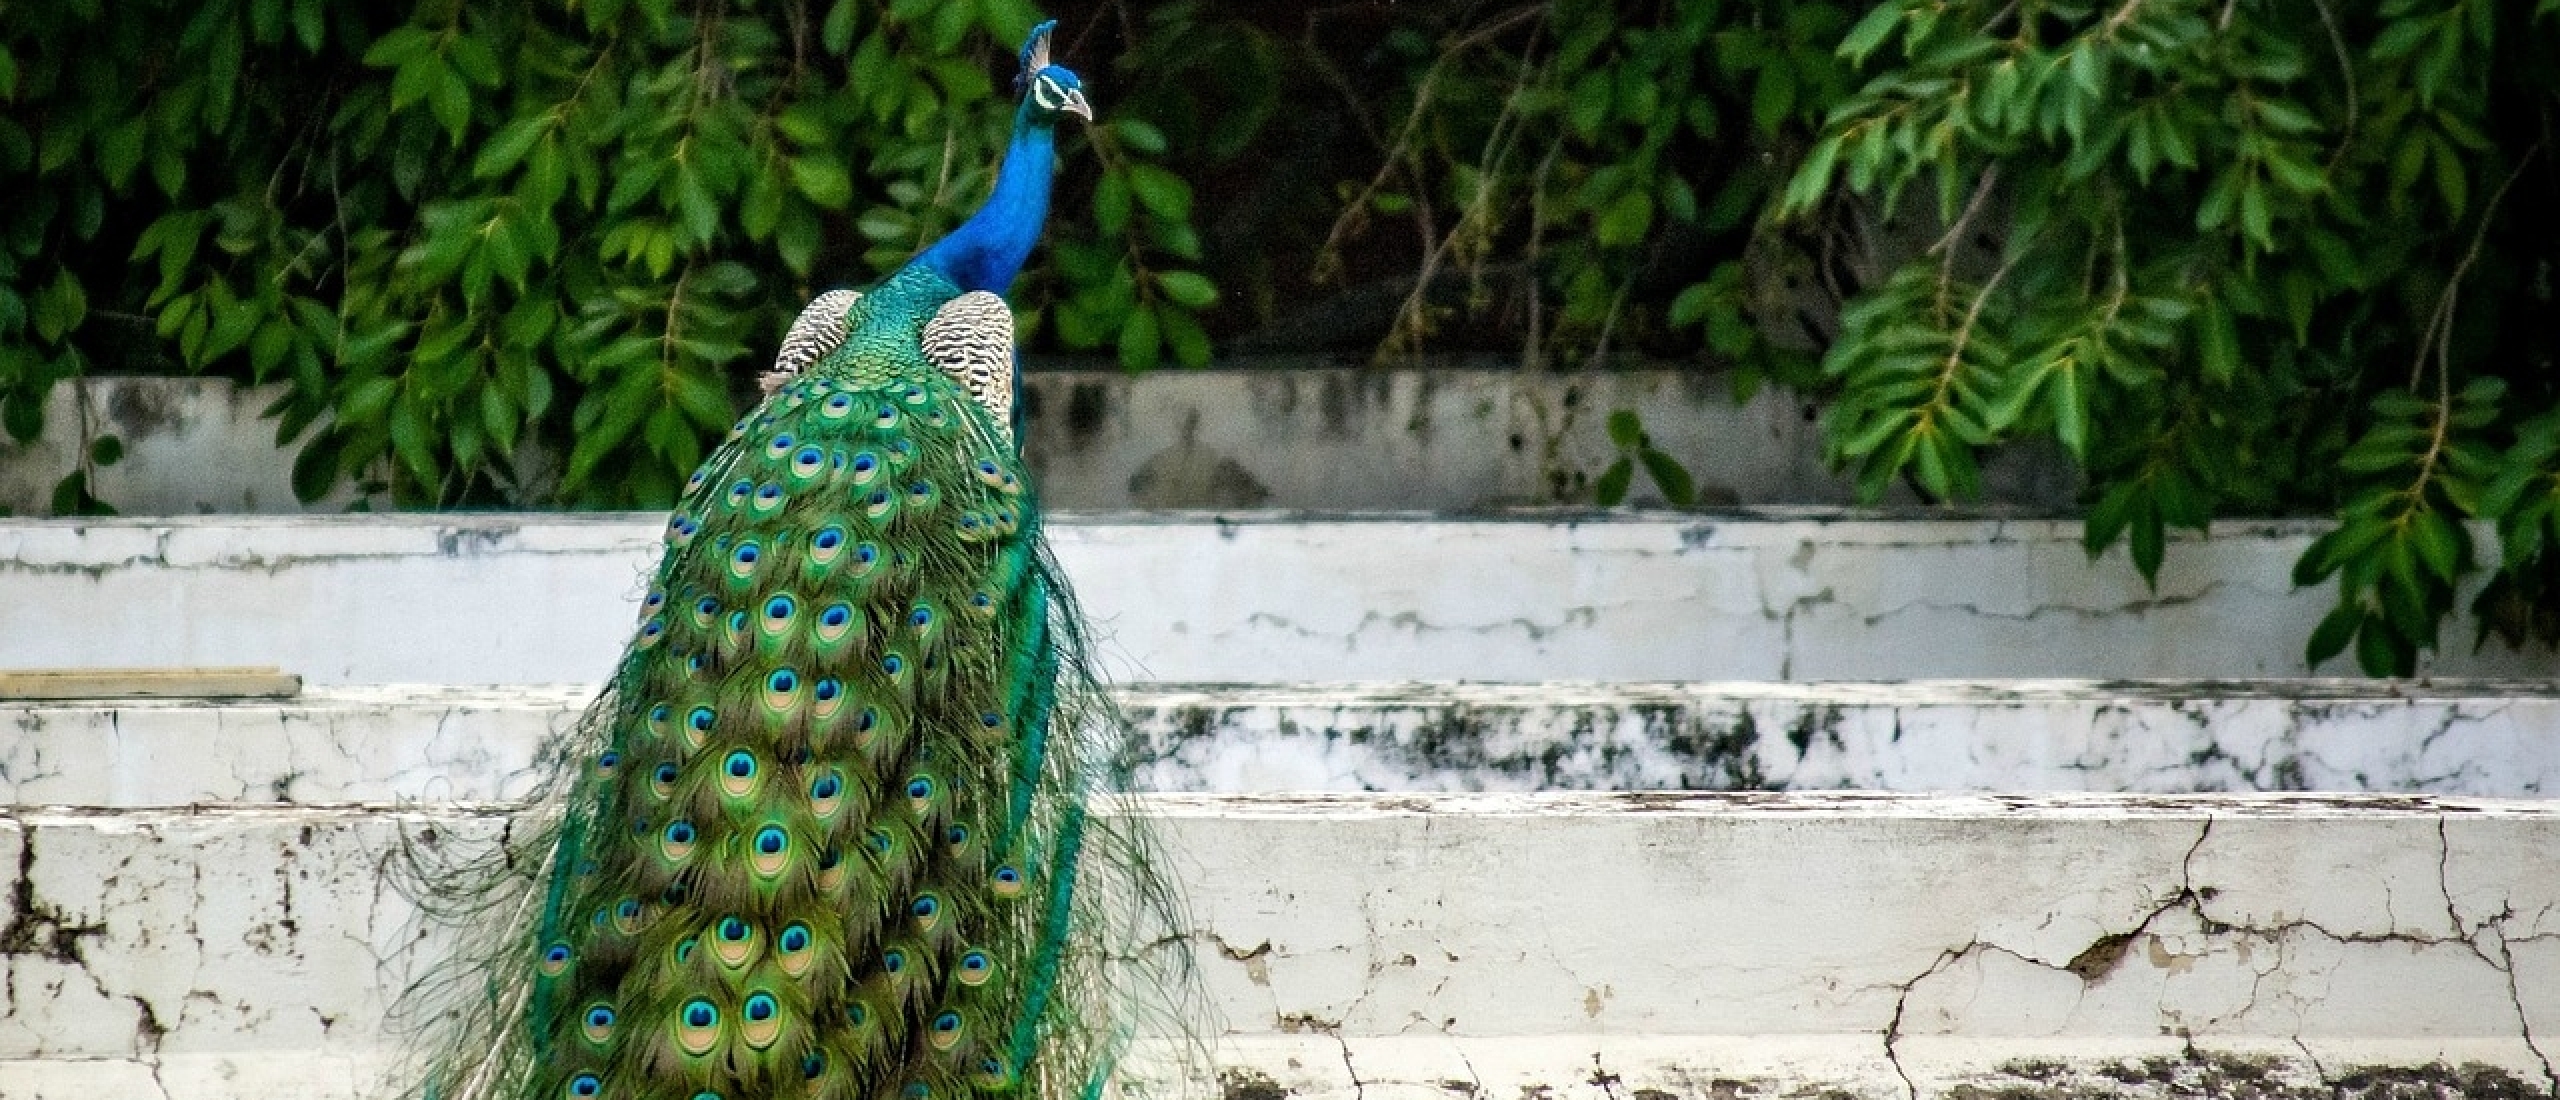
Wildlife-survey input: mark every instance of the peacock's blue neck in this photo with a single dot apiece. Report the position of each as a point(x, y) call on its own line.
point(986, 251)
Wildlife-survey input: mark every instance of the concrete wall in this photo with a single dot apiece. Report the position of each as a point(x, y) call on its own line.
point(1586, 947)
point(1326, 438)
point(382, 743)
point(1254, 597)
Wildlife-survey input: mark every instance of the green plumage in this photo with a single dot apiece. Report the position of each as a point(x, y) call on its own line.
point(803, 867)
point(824, 842)
point(824, 834)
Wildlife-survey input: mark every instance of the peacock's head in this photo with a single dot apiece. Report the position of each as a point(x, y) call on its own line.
point(1051, 89)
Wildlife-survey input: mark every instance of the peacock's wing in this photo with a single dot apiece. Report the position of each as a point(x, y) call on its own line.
point(971, 340)
point(814, 334)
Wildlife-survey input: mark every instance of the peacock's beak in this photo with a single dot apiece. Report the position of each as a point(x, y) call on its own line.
point(1077, 106)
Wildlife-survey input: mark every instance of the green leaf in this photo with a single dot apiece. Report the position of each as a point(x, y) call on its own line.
point(1626, 220)
point(1871, 32)
point(1191, 290)
point(2379, 651)
point(1671, 477)
point(509, 145)
point(1139, 134)
point(1626, 430)
point(1163, 194)
point(2330, 638)
point(1610, 490)
point(398, 48)
point(1111, 204)
point(1690, 306)
point(1138, 340)
point(2218, 340)
point(822, 180)
point(106, 450)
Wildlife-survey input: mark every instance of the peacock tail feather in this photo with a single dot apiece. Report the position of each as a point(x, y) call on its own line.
point(826, 833)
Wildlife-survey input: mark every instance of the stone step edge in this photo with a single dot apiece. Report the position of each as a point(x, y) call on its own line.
point(1321, 1066)
point(1161, 694)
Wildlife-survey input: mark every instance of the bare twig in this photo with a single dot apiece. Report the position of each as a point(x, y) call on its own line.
point(1399, 152)
point(2438, 337)
point(2346, 71)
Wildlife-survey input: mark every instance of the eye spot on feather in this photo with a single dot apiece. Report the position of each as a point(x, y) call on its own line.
point(877, 504)
point(607, 763)
point(676, 844)
point(738, 492)
point(893, 961)
point(885, 417)
point(772, 850)
point(742, 561)
point(598, 1025)
point(555, 959)
point(812, 1065)
point(738, 774)
point(1008, 882)
point(585, 1084)
point(697, 1027)
point(826, 793)
point(946, 1030)
point(976, 968)
point(836, 407)
point(762, 1020)
point(768, 499)
point(778, 446)
point(733, 942)
point(830, 870)
point(781, 690)
point(808, 462)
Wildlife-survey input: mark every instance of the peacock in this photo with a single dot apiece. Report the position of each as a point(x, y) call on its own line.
point(821, 835)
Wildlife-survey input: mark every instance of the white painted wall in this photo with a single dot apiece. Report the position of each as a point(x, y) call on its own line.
point(1253, 598)
point(1323, 438)
point(378, 743)
point(1591, 944)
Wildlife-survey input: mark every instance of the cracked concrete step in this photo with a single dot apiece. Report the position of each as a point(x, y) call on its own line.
point(1583, 946)
point(1770, 595)
point(380, 743)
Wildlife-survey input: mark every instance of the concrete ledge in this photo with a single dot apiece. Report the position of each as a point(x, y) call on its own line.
point(1877, 945)
point(436, 743)
point(1286, 433)
point(549, 598)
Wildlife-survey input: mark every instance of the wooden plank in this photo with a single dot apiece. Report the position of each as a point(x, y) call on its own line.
point(263, 682)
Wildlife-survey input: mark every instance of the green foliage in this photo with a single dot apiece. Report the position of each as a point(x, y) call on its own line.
point(519, 252)
point(2232, 257)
